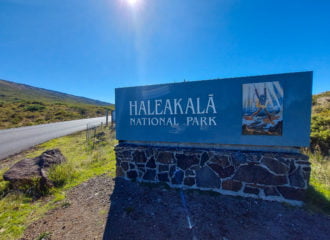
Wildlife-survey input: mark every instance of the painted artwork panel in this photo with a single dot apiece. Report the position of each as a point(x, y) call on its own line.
point(262, 109)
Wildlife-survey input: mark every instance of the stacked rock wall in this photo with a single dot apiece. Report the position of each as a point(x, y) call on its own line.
point(266, 175)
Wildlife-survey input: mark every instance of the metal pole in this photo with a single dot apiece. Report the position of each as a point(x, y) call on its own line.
point(106, 117)
point(112, 119)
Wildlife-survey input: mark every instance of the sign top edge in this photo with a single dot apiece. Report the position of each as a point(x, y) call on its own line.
point(216, 79)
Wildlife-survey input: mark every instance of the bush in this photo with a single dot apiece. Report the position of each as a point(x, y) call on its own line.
point(34, 108)
point(320, 133)
point(35, 187)
point(61, 174)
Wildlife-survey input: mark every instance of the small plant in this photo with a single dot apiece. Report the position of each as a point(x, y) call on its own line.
point(44, 236)
point(66, 204)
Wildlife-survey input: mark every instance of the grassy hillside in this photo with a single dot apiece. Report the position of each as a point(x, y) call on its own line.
point(23, 105)
point(319, 190)
point(320, 128)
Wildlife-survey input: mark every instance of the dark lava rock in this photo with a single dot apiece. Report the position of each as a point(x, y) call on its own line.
point(172, 170)
point(50, 158)
point(222, 172)
point(275, 165)
point(150, 175)
point(186, 161)
point(165, 157)
point(151, 163)
point(132, 174)
point(271, 191)
point(231, 185)
point(126, 155)
point(163, 168)
point(251, 190)
point(163, 177)
point(124, 165)
point(132, 166)
point(207, 178)
point(190, 173)
point(292, 193)
point(120, 172)
point(222, 161)
point(23, 171)
point(189, 181)
point(139, 156)
point(27, 171)
point(204, 159)
point(178, 177)
point(257, 174)
point(297, 178)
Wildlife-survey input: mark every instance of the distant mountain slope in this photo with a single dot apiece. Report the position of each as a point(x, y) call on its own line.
point(24, 105)
point(11, 91)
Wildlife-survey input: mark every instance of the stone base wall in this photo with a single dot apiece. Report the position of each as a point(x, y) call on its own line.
point(267, 175)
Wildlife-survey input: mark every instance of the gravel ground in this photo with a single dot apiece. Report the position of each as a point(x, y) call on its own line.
point(118, 209)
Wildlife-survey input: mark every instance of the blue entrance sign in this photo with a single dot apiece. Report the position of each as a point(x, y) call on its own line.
point(269, 110)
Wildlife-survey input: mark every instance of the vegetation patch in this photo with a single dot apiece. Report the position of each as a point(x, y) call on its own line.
point(320, 126)
point(318, 194)
point(85, 160)
point(22, 105)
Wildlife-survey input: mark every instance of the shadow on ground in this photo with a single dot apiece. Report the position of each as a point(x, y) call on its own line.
point(145, 211)
point(317, 201)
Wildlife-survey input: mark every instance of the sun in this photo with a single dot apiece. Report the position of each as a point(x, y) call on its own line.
point(132, 2)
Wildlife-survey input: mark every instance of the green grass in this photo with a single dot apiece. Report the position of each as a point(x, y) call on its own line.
point(318, 193)
point(17, 210)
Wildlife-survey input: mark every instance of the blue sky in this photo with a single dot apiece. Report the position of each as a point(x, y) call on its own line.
point(89, 47)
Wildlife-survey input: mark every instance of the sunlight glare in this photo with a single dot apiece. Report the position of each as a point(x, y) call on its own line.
point(132, 2)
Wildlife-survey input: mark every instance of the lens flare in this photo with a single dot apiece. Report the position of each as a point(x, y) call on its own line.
point(132, 2)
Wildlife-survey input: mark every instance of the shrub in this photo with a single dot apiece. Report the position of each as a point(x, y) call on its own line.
point(61, 174)
point(320, 133)
point(38, 103)
point(35, 188)
point(34, 108)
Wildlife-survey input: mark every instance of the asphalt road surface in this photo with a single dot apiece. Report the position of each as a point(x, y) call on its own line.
point(15, 140)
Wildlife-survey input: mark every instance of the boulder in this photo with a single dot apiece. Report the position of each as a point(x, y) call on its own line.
point(28, 172)
point(50, 158)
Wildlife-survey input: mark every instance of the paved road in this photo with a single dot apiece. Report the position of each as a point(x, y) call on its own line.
point(15, 140)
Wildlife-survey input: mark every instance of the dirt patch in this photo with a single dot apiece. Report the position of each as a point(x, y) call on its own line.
point(82, 215)
point(117, 209)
